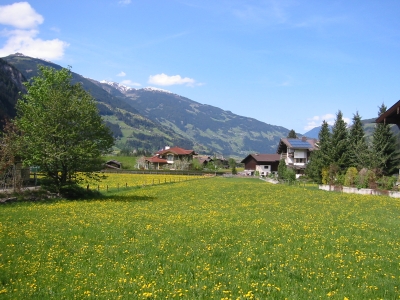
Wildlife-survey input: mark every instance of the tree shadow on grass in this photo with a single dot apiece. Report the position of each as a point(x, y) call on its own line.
point(74, 194)
point(125, 198)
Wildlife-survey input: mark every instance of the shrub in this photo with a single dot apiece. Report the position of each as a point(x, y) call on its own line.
point(387, 182)
point(350, 178)
point(362, 178)
point(290, 175)
point(325, 175)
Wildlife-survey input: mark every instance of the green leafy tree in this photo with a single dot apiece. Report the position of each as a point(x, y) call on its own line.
point(339, 152)
point(290, 175)
point(358, 150)
point(292, 134)
point(385, 157)
point(232, 164)
point(196, 165)
point(62, 130)
point(282, 169)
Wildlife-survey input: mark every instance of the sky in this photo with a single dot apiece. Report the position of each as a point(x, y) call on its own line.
point(283, 62)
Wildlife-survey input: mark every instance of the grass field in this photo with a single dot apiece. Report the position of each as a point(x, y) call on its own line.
point(215, 238)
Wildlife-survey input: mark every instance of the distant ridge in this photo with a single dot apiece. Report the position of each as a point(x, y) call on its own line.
point(150, 118)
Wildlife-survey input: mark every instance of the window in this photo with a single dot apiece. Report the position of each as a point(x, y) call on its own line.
point(170, 157)
point(266, 167)
point(300, 160)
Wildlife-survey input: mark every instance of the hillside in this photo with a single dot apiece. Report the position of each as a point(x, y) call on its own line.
point(10, 85)
point(131, 129)
point(151, 118)
point(219, 130)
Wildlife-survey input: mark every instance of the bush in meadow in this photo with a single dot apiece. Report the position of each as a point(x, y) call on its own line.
point(350, 177)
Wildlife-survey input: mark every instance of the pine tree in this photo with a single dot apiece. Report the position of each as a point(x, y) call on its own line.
point(325, 144)
point(292, 134)
point(339, 151)
point(320, 158)
point(358, 149)
point(385, 157)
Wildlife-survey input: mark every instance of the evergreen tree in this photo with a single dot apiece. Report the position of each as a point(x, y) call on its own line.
point(282, 169)
point(320, 158)
point(339, 154)
point(358, 149)
point(325, 144)
point(385, 157)
point(292, 134)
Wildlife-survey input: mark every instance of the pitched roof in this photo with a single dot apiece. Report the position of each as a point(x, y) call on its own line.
point(303, 143)
point(177, 151)
point(391, 116)
point(261, 158)
point(156, 159)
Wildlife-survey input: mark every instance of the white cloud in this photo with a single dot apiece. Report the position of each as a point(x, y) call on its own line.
point(130, 83)
point(165, 80)
point(124, 2)
point(23, 38)
point(316, 121)
point(20, 15)
point(121, 74)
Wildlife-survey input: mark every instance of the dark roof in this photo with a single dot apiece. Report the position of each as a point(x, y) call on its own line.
point(114, 164)
point(391, 116)
point(261, 158)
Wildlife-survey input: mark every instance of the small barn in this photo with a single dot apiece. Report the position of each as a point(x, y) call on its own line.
point(113, 164)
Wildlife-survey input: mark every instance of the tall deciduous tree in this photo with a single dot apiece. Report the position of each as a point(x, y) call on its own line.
point(62, 130)
point(339, 150)
point(385, 157)
point(358, 149)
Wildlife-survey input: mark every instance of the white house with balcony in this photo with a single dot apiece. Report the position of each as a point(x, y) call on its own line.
point(296, 153)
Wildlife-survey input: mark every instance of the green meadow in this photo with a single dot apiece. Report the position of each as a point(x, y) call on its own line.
point(209, 238)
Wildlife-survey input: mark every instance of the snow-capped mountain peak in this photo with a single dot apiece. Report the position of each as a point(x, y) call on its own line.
point(118, 86)
point(154, 89)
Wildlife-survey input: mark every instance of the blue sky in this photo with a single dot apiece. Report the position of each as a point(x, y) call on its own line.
point(286, 63)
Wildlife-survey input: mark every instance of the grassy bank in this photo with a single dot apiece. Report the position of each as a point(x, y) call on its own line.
point(218, 238)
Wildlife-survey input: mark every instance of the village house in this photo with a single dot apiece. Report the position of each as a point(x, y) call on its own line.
point(296, 153)
point(264, 164)
point(171, 158)
point(391, 116)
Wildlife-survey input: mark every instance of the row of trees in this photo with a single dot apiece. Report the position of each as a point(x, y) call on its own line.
point(344, 148)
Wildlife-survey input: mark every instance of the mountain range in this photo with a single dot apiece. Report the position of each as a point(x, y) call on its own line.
point(151, 118)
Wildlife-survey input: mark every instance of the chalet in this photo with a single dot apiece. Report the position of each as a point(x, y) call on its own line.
point(296, 152)
point(170, 158)
point(265, 164)
point(203, 159)
point(113, 164)
point(391, 116)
